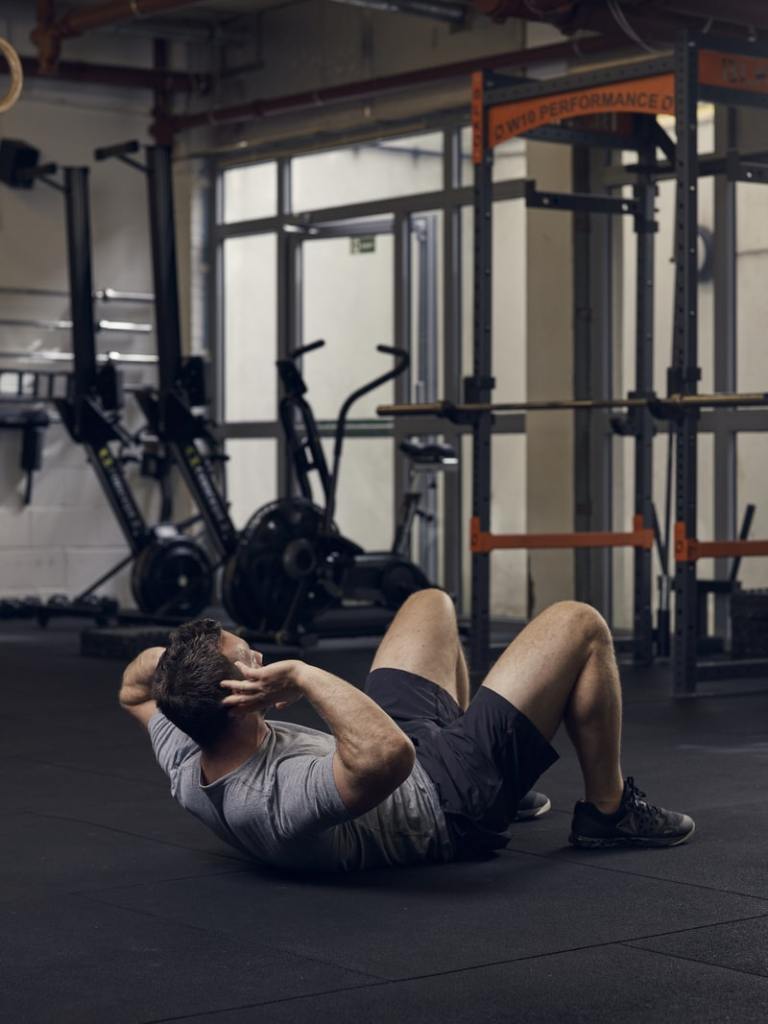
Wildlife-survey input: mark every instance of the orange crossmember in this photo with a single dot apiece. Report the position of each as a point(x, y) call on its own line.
point(483, 542)
point(688, 549)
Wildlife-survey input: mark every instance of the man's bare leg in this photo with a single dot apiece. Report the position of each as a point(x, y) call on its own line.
point(423, 638)
point(562, 668)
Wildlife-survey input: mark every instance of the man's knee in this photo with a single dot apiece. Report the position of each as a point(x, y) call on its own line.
point(433, 609)
point(581, 620)
point(434, 603)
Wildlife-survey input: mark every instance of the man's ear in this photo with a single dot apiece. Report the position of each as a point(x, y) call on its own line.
point(240, 711)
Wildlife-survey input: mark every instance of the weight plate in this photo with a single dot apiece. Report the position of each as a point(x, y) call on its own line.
point(172, 577)
point(282, 548)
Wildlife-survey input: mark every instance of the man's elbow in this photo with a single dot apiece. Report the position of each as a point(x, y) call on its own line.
point(406, 758)
point(125, 695)
point(397, 762)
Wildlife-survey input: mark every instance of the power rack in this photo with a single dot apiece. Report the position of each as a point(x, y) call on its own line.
point(701, 67)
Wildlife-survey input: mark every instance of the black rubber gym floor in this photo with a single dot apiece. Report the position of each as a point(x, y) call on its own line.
point(118, 908)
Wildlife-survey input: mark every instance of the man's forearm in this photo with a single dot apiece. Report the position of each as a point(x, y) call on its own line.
point(137, 678)
point(366, 737)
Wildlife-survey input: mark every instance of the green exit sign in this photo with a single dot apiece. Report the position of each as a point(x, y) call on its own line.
point(363, 243)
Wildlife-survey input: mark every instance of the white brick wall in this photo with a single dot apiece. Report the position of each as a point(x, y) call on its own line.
point(68, 536)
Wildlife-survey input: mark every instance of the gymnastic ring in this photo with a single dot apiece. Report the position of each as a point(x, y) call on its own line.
point(17, 76)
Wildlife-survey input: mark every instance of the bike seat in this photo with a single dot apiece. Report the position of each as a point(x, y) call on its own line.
point(432, 454)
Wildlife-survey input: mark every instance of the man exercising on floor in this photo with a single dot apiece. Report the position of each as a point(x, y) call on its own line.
point(413, 771)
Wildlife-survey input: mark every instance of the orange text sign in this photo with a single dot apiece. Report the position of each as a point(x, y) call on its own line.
point(733, 71)
point(653, 95)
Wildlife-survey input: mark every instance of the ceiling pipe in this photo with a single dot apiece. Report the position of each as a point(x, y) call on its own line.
point(123, 77)
point(254, 109)
point(50, 30)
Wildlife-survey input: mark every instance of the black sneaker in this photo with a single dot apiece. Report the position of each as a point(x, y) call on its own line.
point(636, 823)
point(533, 805)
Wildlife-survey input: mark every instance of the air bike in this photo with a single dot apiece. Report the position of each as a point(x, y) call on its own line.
point(290, 564)
point(294, 564)
point(171, 575)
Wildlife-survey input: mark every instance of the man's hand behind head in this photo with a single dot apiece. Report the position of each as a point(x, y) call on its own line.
point(264, 687)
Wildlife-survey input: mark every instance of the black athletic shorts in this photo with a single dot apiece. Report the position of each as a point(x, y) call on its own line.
point(482, 761)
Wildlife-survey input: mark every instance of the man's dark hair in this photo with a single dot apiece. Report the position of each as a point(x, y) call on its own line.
point(186, 684)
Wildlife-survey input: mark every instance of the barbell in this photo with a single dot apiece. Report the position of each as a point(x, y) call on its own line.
point(670, 403)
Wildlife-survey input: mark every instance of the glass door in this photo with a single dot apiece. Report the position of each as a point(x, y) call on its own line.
point(357, 285)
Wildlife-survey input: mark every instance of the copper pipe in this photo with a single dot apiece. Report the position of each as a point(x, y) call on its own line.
point(84, 19)
point(50, 31)
point(123, 77)
point(355, 90)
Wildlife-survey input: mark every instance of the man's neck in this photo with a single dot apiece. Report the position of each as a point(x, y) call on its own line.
point(241, 742)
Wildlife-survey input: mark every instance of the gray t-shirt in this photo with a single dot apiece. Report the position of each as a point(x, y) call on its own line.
point(281, 807)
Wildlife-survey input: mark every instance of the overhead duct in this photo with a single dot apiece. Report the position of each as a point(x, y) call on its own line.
point(640, 20)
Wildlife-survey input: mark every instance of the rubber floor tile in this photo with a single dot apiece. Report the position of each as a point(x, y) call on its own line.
point(742, 946)
point(73, 961)
point(608, 985)
point(400, 922)
point(727, 852)
point(50, 854)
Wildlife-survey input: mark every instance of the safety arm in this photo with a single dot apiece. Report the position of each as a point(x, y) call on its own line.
point(373, 755)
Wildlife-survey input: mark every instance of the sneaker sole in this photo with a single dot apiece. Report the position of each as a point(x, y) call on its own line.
point(535, 812)
point(589, 843)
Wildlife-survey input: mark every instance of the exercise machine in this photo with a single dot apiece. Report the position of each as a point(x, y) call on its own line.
point(186, 435)
point(171, 575)
point(383, 578)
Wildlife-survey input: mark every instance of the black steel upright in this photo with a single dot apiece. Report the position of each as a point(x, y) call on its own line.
point(685, 373)
point(645, 226)
point(78, 225)
point(83, 413)
point(162, 229)
point(478, 389)
point(175, 422)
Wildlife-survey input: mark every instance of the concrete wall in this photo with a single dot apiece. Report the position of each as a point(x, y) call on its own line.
point(751, 353)
point(311, 44)
point(549, 331)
